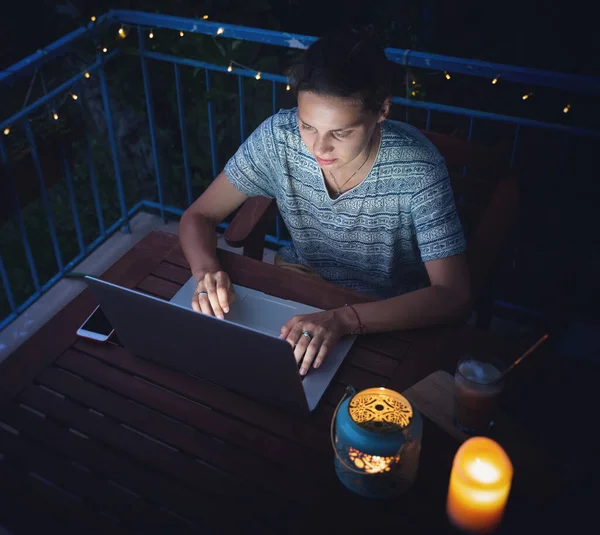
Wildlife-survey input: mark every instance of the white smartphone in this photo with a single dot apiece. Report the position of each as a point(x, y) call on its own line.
point(96, 327)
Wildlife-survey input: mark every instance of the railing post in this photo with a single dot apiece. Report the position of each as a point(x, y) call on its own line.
point(242, 119)
point(150, 108)
point(113, 146)
point(6, 284)
point(19, 218)
point(44, 196)
point(92, 171)
point(211, 128)
point(180, 111)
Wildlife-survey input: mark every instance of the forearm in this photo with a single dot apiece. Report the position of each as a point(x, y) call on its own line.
point(198, 239)
point(433, 305)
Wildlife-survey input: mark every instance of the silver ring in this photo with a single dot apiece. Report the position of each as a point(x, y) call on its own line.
point(202, 293)
point(307, 334)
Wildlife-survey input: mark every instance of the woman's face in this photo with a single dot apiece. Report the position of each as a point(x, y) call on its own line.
point(335, 130)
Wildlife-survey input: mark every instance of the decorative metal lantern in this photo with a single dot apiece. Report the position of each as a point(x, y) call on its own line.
point(377, 442)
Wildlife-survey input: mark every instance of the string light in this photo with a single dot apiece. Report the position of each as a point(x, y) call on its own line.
point(495, 80)
point(6, 131)
point(230, 68)
point(414, 83)
point(220, 31)
point(122, 33)
point(526, 96)
point(105, 50)
point(74, 96)
point(93, 19)
point(414, 93)
point(257, 76)
point(566, 108)
point(151, 34)
point(287, 87)
point(205, 17)
point(87, 74)
point(180, 34)
point(55, 116)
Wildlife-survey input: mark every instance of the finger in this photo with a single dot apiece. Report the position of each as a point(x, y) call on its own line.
point(196, 304)
point(223, 286)
point(309, 355)
point(323, 350)
point(204, 303)
point(211, 287)
point(294, 334)
point(301, 347)
point(287, 328)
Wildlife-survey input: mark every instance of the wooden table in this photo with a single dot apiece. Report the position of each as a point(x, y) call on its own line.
point(96, 440)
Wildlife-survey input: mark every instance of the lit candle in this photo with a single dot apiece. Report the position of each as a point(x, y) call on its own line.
point(479, 485)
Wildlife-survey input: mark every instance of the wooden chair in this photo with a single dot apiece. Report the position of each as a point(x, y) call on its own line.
point(486, 199)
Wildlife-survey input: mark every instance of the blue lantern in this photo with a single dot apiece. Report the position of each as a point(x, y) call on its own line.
point(377, 442)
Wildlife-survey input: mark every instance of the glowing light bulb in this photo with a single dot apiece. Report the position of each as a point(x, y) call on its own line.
point(205, 17)
point(495, 80)
point(55, 116)
point(414, 93)
point(414, 83)
point(287, 87)
point(566, 108)
point(93, 19)
point(526, 96)
point(74, 96)
point(257, 76)
point(6, 131)
point(180, 34)
point(220, 31)
point(105, 50)
point(230, 68)
point(447, 75)
point(87, 74)
point(122, 33)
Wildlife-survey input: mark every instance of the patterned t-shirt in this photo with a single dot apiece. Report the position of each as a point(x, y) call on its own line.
point(373, 238)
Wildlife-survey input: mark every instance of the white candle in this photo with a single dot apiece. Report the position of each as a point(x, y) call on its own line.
point(479, 485)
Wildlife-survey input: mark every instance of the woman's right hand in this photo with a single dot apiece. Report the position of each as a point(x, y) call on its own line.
point(214, 294)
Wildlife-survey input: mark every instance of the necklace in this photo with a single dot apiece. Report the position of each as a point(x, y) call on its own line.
point(339, 188)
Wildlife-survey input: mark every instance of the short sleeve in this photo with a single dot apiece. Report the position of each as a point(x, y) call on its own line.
point(254, 168)
point(438, 228)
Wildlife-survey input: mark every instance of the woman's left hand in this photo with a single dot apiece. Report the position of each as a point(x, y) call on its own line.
point(313, 335)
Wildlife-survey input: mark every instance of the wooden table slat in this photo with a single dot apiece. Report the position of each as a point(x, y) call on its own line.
point(28, 504)
point(158, 287)
point(129, 509)
point(219, 454)
point(172, 272)
point(150, 484)
point(260, 415)
point(190, 413)
point(111, 433)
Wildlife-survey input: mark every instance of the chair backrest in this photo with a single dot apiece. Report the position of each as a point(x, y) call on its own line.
point(486, 198)
point(475, 170)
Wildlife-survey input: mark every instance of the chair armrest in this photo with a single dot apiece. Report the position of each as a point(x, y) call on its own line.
point(249, 226)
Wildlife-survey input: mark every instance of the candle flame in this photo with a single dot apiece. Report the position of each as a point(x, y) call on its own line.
point(483, 471)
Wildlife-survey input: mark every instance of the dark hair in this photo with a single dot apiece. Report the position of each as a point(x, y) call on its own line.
point(345, 63)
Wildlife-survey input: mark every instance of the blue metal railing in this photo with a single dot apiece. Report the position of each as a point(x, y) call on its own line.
point(142, 21)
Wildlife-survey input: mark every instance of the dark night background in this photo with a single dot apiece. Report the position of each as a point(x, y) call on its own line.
point(553, 35)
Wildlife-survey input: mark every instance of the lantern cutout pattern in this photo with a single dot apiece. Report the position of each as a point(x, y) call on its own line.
point(377, 442)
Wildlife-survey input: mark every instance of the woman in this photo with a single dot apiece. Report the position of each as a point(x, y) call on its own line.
point(367, 201)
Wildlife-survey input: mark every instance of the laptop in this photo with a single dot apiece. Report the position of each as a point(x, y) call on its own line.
point(242, 353)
